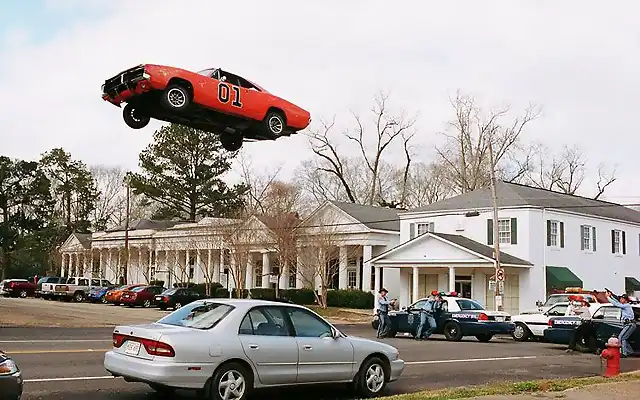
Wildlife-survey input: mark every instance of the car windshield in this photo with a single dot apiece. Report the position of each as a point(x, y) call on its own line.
point(198, 315)
point(553, 300)
point(169, 292)
point(207, 72)
point(466, 304)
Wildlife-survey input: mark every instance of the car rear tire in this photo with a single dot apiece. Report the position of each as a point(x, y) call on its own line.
point(146, 304)
point(377, 370)
point(78, 297)
point(275, 123)
point(134, 118)
point(104, 300)
point(452, 331)
point(23, 294)
point(521, 333)
point(231, 142)
point(586, 343)
point(484, 337)
point(177, 306)
point(233, 376)
point(176, 97)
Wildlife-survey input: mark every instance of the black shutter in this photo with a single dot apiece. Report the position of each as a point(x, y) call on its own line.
point(490, 231)
point(613, 241)
point(412, 231)
point(624, 243)
point(548, 232)
point(514, 230)
point(593, 239)
point(581, 237)
point(562, 234)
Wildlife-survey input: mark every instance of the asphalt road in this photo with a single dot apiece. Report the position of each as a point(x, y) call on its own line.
point(66, 363)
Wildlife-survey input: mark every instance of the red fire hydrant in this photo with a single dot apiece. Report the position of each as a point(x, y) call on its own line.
point(612, 355)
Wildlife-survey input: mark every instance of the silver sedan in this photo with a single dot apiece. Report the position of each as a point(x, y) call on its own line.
point(225, 348)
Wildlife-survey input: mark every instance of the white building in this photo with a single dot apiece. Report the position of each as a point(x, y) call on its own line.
point(548, 241)
point(197, 252)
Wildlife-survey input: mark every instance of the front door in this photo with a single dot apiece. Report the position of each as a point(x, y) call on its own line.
point(321, 357)
point(269, 344)
point(464, 288)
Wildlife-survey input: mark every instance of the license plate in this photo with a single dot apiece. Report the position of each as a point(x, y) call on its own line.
point(500, 319)
point(132, 348)
point(158, 298)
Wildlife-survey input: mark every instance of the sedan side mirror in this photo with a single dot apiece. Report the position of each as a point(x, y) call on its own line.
point(335, 333)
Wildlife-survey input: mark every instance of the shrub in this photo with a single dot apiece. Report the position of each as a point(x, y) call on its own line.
point(350, 298)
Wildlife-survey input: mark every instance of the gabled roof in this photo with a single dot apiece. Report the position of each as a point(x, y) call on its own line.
point(379, 218)
point(481, 250)
point(288, 220)
point(515, 195)
point(142, 224)
point(84, 239)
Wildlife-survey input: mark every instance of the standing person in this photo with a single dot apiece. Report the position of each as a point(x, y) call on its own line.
point(383, 313)
point(427, 317)
point(629, 320)
point(578, 307)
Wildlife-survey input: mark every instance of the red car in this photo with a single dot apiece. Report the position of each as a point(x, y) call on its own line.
point(141, 296)
point(212, 100)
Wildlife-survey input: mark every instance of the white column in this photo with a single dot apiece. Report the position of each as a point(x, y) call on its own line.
point(452, 279)
point(266, 270)
point(110, 265)
point(415, 284)
point(196, 273)
point(284, 275)
point(187, 265)
point(358, 274)
point(100, 264)
point(149, 264)
point(377, 279)
point(367, 252)
point(221, 265)
point(211, 275)
point(139, 267)
point(84, 264)
point(299, 281)
point(343, 277)
point(166, 268)
point(248, 284)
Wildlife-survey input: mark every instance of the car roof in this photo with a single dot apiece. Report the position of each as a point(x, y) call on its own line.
point(247, 304)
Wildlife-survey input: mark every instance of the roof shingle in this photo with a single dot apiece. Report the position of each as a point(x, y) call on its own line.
point(380, 218)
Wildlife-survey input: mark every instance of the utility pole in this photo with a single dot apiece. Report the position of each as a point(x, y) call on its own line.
point(496, 237)
point(126, 232)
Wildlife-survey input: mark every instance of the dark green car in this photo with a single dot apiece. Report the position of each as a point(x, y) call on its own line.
point(457, 318)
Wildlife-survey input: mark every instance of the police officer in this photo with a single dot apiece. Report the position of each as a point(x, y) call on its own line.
point(383, 313)
point(426, 316)
point(629, 320)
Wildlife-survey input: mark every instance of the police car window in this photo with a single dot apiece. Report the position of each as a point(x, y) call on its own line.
point(466, 304)
point(418, 304)
point(558, 310)
point(556, 299)
point(611, 312)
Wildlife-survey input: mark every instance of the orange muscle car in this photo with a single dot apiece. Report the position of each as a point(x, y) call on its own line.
point(114, 296)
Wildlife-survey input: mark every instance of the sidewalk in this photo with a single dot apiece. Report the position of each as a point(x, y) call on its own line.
point(610, 391)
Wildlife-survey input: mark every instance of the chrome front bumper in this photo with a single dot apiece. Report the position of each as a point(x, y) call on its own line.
point(397, 367)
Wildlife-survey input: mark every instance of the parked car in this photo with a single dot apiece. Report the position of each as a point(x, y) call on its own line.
point(594, 332)
point(176, 298)
point(11, 382)
point(19, 288)
point(113, 296)
point(141, 296)
point(241, 345)
point(97, 294)
point(458, 318)
point(76, 288)
point(46, 286)
point(529, 326)
point(6, 281)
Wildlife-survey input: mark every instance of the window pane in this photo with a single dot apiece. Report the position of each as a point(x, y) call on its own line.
point(307, 324)
point(246, 328)
point(268, 321)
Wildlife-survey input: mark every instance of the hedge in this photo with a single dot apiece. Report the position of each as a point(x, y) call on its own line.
point(350, 298)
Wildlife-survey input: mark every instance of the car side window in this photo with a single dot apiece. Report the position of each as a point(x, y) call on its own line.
point(557, 310)
point(611, 312)
point(83, 282)
point(445, 306)
point(306, 324)
point(418, 304)
point(264, 321)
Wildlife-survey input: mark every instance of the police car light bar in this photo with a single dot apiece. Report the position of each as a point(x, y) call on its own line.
point(574, 290)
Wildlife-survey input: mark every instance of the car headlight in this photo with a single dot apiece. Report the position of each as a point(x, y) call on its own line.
point(394, 356)
point(8, 367)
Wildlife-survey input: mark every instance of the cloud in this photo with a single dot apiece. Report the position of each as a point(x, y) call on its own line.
point(577, 59)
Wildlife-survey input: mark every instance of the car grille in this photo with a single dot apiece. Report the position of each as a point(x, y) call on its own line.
point(123, 81)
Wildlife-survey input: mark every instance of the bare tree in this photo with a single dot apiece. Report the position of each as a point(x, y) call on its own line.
point(606, 176)
point(372, 143)
point(258, 182)
point(239, 240)
point(466, 151)
point(112, 195)
point(210, 237)
point(427, 183)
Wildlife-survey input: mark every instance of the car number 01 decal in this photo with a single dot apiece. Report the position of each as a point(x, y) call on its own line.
point(224, 94)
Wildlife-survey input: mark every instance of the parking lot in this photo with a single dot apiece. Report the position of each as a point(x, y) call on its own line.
point(66, 362)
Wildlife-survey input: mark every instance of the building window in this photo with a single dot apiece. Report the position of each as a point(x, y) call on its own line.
point(616, 236)
point(422, 228)
point(553, 233)
point(588, 237)
point(191, 271)
point(152, 273)
point(352, 278)
point(257, 277)
point(293, 274)
point(504, 231)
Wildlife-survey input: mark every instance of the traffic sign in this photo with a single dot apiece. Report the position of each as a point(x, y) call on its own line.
point(500, 275)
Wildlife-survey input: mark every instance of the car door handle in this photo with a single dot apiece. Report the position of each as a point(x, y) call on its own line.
point(254, 346)
point(307, 347)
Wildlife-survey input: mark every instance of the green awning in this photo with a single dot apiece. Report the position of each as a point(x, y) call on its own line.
point(561, 278)
point(631, 284)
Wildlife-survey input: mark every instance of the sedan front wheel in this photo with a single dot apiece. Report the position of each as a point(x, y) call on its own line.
point(372, 378)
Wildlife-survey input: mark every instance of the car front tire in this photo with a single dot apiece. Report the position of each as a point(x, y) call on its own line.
point(231, 377)
point(176, 97)
point(521, 333)
point(23, 294)
point(274, 123)
point(134, 118)
point(372, 378)
point(231, 142)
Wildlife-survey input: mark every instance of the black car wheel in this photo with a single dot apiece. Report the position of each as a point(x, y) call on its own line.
point(586, 343)
point(372, 378)
point(146, 304)
point(176, 97)
point(521, 333)
point(231, 142)
point(484, 337)
point(134, 118)
point(23, 294)
point(274, 123)
point(78, 297)
point(452, 331)
point(177, 306)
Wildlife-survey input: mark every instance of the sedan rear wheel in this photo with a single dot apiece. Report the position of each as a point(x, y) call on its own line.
point(146, 304)
point(231, 382)
point(177, 306)
point(23, 294)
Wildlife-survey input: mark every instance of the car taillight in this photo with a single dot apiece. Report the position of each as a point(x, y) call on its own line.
point(550, 323)
point(153, 347)
point(483, 317)
point(12, 284)
point(166, 299)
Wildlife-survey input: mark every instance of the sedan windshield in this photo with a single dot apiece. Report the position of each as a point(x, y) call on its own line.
point(207, 72)
point(198, 315)
point(469, 305)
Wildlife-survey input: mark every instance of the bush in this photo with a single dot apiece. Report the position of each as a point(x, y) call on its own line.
point(303, 297)
point(350, 298)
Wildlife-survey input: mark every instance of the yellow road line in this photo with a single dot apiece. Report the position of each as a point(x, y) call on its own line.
point(55, 351)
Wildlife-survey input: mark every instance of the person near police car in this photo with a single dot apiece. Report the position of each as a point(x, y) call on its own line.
point(427, 312)
point(383, 313)
point(629, 320)
point(578, 307)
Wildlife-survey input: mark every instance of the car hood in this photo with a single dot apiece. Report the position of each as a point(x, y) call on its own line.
point(371, 345)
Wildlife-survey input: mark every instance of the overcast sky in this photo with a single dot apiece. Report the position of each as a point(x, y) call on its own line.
point(580, 60)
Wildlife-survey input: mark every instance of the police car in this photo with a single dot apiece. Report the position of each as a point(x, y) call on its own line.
point(529, 326)
point(458, 317)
